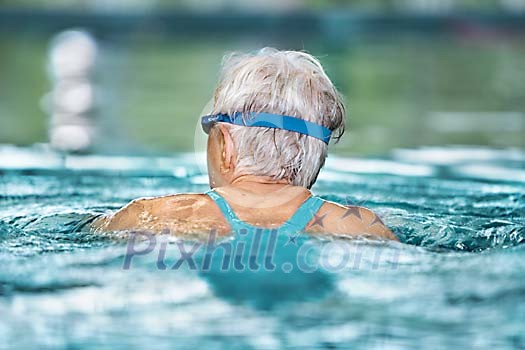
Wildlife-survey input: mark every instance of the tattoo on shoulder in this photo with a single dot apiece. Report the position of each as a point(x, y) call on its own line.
point(356, 211)
point(352, 211)
point(376, 220)
point(318, 220)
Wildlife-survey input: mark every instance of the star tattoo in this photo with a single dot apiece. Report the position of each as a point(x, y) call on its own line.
point(318, 220)
point(376, 220)
point(352, 211)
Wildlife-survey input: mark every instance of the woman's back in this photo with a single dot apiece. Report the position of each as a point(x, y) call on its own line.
point(228, 209)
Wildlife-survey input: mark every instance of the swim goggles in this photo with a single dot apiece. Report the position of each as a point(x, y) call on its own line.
point(268, 120)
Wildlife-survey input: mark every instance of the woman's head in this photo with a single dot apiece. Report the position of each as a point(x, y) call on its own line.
point(281, 82)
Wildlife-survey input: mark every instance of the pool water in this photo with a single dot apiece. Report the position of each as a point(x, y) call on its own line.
point(455, 281)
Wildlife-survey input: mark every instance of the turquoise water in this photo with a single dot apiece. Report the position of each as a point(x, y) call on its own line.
point(456, 281)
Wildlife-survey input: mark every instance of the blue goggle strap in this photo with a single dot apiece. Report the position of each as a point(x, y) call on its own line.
point(275, 121)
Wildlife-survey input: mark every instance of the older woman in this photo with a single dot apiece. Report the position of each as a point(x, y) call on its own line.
point(273, 115)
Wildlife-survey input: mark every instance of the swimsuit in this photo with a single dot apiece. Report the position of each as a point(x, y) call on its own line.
point(296, 223)
point(282, 257)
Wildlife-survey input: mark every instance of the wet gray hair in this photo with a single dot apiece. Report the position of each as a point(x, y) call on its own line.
point(282, 82)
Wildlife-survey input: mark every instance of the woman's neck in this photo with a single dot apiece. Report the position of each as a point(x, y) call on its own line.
point(255, 183)
point(262, 192)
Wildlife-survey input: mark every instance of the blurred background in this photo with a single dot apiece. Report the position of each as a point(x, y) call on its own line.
point(133, 76)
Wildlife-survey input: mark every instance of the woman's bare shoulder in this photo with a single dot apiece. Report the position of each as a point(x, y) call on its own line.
point(175, 212)
point(348, 220)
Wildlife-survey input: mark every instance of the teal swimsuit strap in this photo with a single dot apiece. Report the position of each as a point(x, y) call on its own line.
point(226, 210)
point(305, 213)
point(298, 221)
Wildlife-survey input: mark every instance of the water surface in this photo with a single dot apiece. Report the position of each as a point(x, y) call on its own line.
point(456, 280)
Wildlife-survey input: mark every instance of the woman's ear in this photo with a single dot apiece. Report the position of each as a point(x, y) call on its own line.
point(228, 148)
